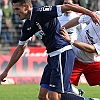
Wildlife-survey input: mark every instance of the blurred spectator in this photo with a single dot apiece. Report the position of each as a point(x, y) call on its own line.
point(59, 2)
point(83, 3)
point(95, 8)
point(50, 2)
point(93, 5)
point(99, 4)
point(0, 25)
point(0, 19)
point(1, 2)
point(76, 2)
point(38, 3)
point(35, 42)
point(89, 4)
point(7, 22)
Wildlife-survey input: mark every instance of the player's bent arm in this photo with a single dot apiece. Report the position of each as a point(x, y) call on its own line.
point(85, 47)
point(81, 45)
point(15, 56)
point(72, 23)
point(75, 8)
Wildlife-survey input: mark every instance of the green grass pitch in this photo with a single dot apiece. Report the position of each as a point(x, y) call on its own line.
point(30, 91)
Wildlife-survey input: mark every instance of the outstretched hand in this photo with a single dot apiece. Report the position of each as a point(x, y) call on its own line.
point(2, 76)
point(64, 34)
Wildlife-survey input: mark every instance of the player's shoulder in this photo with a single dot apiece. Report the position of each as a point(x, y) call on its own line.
point(98, 13)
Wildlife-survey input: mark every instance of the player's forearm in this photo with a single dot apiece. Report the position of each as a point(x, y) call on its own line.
point(76, 8)
point(15, 57)
point(85, 47)
point(72, 23)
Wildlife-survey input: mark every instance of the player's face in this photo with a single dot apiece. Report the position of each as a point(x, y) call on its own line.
point(20, 10)
point(68, 2)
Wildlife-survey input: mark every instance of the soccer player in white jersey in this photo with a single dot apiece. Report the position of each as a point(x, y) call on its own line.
point(86, 49)
point(73, 31)
point(67, 17)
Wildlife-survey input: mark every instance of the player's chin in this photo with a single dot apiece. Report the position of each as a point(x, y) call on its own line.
point(21, 18)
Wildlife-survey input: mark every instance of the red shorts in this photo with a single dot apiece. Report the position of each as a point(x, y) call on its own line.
point(91, 72)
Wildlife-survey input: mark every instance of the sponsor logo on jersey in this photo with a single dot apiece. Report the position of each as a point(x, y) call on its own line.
point(40, 33)
point(45, 8)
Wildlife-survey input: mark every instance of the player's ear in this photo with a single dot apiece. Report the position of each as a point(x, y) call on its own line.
point(27, 7)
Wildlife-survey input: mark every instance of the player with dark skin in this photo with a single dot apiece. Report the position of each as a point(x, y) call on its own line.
point(23, 9)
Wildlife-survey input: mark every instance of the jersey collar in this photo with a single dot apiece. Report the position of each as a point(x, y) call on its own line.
point(31, 14)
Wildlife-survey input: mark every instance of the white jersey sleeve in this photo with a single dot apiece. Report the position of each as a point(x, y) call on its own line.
point(59, 11)
point(85, 19)
point(23, 42)
point(98, 13)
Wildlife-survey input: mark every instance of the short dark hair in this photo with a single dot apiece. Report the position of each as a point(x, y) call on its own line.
point(75, 1)
point(22, 2)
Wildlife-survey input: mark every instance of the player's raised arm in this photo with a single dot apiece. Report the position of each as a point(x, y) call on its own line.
point(76, 8)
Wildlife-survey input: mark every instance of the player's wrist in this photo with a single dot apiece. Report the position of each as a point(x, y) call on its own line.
point(72, 41)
